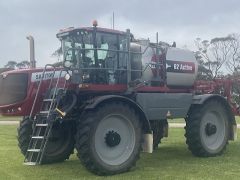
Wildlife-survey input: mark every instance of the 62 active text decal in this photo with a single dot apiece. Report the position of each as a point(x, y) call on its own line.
point(180, 66)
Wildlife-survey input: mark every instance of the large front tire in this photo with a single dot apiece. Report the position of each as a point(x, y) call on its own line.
point(207, 129)
point(60, 145)
point(108, 139)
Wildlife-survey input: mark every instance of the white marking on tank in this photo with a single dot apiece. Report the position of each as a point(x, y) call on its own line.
point(168, 66)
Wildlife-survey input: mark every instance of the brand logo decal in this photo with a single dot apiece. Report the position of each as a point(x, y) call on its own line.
point(48, 75)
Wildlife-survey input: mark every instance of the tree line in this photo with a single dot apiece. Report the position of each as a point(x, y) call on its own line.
point(218, 57)
point(17, 65)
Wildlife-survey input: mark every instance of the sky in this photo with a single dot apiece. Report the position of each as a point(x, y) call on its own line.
point(175, 20)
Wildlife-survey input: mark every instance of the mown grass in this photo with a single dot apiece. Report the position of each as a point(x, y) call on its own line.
point(237, 119)
point(178, 120)
point(171, 160)
point(181, 120)
point(10, 118)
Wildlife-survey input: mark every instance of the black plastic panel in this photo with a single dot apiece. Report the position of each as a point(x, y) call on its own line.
point(158, 105)
point(13, 88)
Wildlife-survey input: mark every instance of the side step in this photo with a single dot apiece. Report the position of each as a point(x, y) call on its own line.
point(42, 125)
point(33, 150)
point(48, 100)
point(44, 112)
point(38, 137)
point(30, 163)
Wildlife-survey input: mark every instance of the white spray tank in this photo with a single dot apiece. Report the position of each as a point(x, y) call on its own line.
point(181, 67)
point(180, 64)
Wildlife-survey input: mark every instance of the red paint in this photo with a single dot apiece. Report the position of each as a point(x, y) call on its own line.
point(222, 87)
point(27, 103)
point(218, 86)
point(160, 59)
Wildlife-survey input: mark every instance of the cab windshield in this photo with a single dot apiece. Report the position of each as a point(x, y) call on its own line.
point(99, 56)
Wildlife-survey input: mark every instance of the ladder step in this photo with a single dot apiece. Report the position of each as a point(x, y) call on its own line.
point(47, 100)
point(41, 125)
point(37, 137)
point(44, 112)
point(33, 150)
point(30, 163)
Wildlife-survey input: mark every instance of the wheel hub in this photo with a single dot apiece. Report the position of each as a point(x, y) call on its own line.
point(210, 129)
point(112, 138)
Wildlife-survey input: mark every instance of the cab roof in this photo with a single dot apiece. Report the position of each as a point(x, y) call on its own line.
point(69, 30)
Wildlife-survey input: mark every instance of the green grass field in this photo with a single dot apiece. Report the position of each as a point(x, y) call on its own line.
point(171, 161)
point(10, 118)
point(180, 120)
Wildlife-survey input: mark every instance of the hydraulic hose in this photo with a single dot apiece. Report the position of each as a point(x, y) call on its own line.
point(63, 111)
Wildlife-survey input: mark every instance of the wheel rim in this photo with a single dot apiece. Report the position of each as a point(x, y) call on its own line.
point(114, 139)
point(213, 130)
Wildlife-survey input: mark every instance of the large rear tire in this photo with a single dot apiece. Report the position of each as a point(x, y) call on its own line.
point(60, 145)
point(108, 139)
point(207, 129)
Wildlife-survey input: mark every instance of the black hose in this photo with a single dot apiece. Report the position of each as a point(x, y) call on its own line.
point(67, 108)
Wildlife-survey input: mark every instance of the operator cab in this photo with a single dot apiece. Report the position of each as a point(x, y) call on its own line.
point(95, 55)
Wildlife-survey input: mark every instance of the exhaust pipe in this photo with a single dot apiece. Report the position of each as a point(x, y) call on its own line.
point(32, 52)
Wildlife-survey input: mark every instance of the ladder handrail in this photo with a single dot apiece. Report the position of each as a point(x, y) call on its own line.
point(55, 92)
point(36, 131)
point(50, 123)
point(50, 84)
point(39, 86)
point(35, 100)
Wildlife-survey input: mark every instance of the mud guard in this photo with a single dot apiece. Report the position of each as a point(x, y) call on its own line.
point(201, 99)
point(110, 98)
